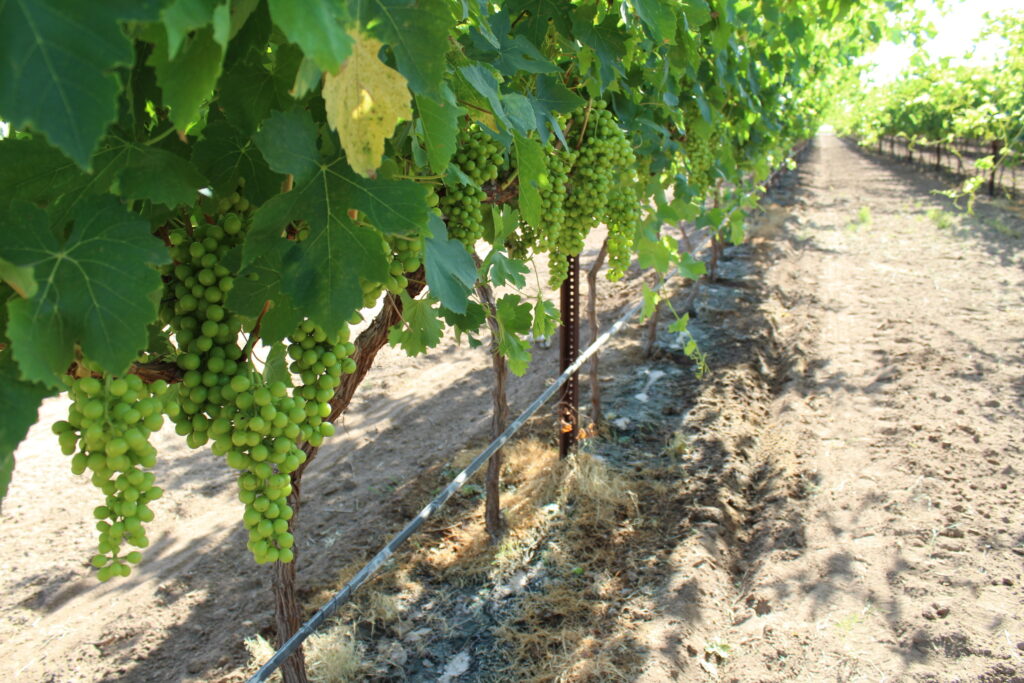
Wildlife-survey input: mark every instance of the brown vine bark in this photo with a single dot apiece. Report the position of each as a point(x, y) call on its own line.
point(499, 418)
point(597, 413)
point(287, 611)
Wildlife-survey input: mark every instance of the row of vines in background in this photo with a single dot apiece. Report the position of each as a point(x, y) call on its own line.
point(972, 111)
point(185, 182)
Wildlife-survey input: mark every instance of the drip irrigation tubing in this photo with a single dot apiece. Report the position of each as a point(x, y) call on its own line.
point(385, 553)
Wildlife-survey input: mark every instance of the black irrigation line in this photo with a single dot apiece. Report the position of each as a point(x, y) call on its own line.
point(345, 594)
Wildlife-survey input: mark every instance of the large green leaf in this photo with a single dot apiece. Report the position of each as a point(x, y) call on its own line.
point(161, 177)
point(19, 404)
point(439, 121)
point(552, 97)
point(188, 79)
point(532, 178)
point(249, 91)
point(417, 31)
point(288, 143)
point(56, 70)
point(181, 17)
point(606, 39)
point(34, 171)
point(450, 270)
point(321, 274)
point(318, 27)
point(98, 289)
point(534, 16)
point(226, 155)
point(260, 283)
point(659, 17)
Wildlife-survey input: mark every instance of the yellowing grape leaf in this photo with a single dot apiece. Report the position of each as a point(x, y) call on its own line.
point(365, 99)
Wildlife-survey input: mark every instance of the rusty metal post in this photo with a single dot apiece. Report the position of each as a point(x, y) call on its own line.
point(569, 334)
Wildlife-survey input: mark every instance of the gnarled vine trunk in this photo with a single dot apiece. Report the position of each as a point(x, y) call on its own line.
point(287, 611)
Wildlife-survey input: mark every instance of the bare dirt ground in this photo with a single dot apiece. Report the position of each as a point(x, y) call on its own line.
point(837, 501)
point(869, 526)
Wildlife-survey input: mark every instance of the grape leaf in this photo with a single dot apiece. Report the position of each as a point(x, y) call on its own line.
point(515, 318)
point(22, 279)
point(417, 31)
point(537, 13)
point(188, 79)
point(365, 100)
point(97, 289)
point(160, 176)
point(318, 27)
point(19, 404)
point(532, 177)
point(57, 63)
point(552, 97)
point(450, 270)
point(420, 328)
point(439, 121)
point(259, 283)
point(484, 82)
point(655, 254)
point(546, 319)
point(276, 367)
point(604, 38)
point(247, 93)
point(321, 274)
point(508, 53)
point(288, 143)
point(504, 271)
point(225, 154)
point(659, 17)
point(181, 17)
point(33, 170)
point(691, 267)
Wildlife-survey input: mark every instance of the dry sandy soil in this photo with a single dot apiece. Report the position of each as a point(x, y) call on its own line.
point(837, 501)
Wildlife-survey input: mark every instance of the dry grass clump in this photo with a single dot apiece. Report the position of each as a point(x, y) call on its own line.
point(334, 656)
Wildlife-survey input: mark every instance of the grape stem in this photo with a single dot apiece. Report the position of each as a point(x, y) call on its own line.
point(255, 334)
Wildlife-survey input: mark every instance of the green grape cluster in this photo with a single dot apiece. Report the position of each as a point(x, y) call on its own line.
point(256, 430)
point(478, 157)
point(527, 239)
point(253, 425)
point(622, 218)
point(700, 145)
point(206, 332)
point(604, 154)
point(107, 433)
point(319, 361)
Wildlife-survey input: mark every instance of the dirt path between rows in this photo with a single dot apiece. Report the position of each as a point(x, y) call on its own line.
point(870, 523)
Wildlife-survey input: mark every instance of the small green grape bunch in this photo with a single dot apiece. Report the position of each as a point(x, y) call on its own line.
point(107, 433)
point(478, 155)
point(235, 201)
point(319, 361)
point(256, 431)
point(622, 218)
point(462, 207)
point(553, 194)
point(407, 251)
